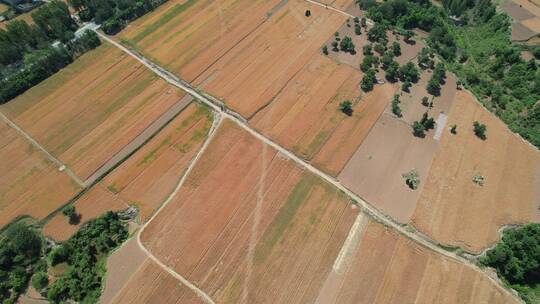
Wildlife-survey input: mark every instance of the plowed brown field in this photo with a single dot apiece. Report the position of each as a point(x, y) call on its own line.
point(29, 184)
point(387, 268)
point(93, 108)
point(91, 205)
point(244, 215)
point(148, 176)
point(454, 210)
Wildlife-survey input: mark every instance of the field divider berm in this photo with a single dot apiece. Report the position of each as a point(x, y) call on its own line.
point(367, 208)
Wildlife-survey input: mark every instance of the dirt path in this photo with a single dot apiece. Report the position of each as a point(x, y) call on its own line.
point(35, 144)
point(236, 118)
point(217, 121)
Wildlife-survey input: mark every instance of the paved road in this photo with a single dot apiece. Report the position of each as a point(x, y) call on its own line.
point(235, 117)
point(61, 166)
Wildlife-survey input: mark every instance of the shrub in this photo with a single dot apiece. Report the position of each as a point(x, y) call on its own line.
point(325, 50)
point(453, 129)
point(480, 130)
point(412, 179)
point(40, 280)
point(425, 101)
point(368, 81)
point(396, 48)
point(395, 106)
point(346, 107)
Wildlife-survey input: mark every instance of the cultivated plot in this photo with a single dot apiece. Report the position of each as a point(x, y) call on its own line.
point(30, 183)
point(244, 215)
point(452, 208)
point(90, 110)
point(148, 176)
point(383, 267)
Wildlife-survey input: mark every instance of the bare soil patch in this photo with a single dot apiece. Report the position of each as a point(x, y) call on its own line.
point(374, 171)
point(29, 184)
point(516, 12)
point(454, 210)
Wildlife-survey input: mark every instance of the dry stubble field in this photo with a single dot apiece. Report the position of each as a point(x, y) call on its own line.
point(237, 223)
point(117, 97)
point(454, 210)
point(29, 184)
point(146, 178)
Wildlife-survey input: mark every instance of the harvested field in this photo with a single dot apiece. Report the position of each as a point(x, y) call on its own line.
point(305, 116)
point(187, 37)
point(106, 99)
point(30, 184)
point(251, 74)
point(387, 268)
point(146, 284)
point(531, 7)
point(243, 216)
point(148, 176)
point(516, 12)
point(91, 205)
point(533, 24)
point(521, 32)
point(454, 210)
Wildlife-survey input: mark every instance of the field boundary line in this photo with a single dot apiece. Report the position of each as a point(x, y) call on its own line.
point(205, 297)
point(61, 166)
point(370, 210)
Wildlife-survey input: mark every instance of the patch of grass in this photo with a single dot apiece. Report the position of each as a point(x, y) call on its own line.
point(151, 156)
point(113, 188)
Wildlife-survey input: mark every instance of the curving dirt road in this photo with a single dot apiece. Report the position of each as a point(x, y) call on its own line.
point(213, 103)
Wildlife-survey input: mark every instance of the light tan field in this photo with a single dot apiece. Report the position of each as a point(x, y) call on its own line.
point(454, 210)
point(148, 176)
point(3, 8)
point(91, 205)
point(29, 184)
point(385, 267)
point(526, 15)
point(90, 110)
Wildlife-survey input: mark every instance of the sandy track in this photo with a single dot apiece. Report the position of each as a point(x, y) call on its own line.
point(236, 118)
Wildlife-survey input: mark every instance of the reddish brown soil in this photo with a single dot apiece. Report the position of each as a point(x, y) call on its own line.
point(89, 111)
point(150, 284)
point(533, 24)
point(148, 176)
point(244, 216)
point(388, 268)
point(454, 210)
point(92, 204)
point(29, 184)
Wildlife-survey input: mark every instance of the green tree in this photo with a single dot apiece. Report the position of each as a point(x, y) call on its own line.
point(346, 107)
point(368, 81)
point(453, 129)
point(425, 101)
point(433, 87)
point(377, 34)
point(40, 280)
point(391, 72)
point(396, 49)
point(395, 106)
point(418, 129)
point(325, 50)
point(379, 48)
point(367, 50)
point(347, 45)
point(480, 130)
point(25, 240)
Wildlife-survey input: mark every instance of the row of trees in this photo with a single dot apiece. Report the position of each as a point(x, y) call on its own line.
point(42, 63)
point(113, 15)
point(51, 22)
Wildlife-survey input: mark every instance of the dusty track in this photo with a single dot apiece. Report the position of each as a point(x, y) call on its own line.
point(35, 144)
point(235, 117)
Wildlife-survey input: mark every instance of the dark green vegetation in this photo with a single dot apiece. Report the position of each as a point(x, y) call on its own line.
point(480, 130)
point(426, 123)
point(71, 214)
point(346, 107)
point(516, 258)
point(84, 254)
point(395, 106)
point(27, 53)
point(113, 15)
point(475, 45)
point(23, 255)
point(21, 247)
